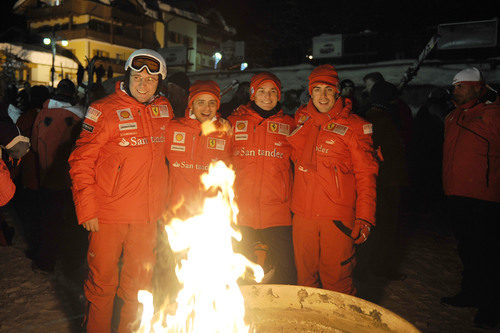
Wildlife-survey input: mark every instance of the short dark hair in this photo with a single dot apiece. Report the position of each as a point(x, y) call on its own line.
point(374, 76)
point(346, 83)
point(65, 91)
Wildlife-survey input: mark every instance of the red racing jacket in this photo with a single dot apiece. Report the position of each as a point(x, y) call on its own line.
point(7, 187)
point(261, 159)
point(119, 168)
point(189, 153)
point(55, 130)
point(335, 165)
point(471, 151)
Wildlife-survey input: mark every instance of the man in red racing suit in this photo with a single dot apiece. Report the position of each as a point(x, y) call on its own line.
point(333, 195)
point(261, 157)
point(119, 174)
point(190, 150)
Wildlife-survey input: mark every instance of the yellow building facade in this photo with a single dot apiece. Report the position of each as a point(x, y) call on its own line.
point(112, 32)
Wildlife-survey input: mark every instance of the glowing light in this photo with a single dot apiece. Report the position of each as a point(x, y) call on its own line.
point(64, 43)
point(47, 41)
point(210, 300)
point(217, 57)
point(243, 66)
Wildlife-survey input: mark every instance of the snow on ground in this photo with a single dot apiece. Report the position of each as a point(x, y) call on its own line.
point(35, 302)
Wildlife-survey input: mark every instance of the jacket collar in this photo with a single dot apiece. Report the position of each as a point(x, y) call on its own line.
point(247, 110)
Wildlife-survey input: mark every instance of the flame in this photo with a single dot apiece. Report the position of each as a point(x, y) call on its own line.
point(210, 300)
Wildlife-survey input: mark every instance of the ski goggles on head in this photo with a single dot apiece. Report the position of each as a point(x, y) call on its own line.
point(152, 65)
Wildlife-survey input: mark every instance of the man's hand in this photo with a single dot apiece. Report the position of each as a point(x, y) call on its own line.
point(360, 231)
point(91, 225)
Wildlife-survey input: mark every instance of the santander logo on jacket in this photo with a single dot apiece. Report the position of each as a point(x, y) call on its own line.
point(120, 160)
point(261, 159)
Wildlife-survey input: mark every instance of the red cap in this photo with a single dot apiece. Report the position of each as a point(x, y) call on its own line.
point(324, 74)
point(203, 87)
point(260, 78)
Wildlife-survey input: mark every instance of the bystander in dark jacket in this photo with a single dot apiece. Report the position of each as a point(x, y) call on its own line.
point(27, 202)
point(56, 128)
point(381, 248)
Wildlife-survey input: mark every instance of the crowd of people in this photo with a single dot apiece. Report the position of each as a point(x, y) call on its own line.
point(311, 187)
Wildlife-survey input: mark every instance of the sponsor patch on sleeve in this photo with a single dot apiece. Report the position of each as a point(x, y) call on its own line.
point(337, 128)
point(93, 114)
point(87, 127)
point(214, 143)
point(272, 127)
point(241, 126)
point(340, 129)
point(164, 112)
point(284, 129)
point(127, 126)
point(179, 137)
point(367, 129)
point(124, 114)
point(240, 137)
point(177, 148)
point(159, 111)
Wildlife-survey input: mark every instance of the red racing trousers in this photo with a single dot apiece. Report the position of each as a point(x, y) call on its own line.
point(324, 254)
point(136, 242)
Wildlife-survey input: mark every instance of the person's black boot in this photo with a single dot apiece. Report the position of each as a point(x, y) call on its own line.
point(460, 300)
point(486, 317)
point(8, 233)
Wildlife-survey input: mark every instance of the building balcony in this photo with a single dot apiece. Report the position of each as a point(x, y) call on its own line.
point(128, 36)
point(85, 7)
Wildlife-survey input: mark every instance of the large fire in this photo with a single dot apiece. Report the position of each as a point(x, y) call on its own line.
point(210, 299)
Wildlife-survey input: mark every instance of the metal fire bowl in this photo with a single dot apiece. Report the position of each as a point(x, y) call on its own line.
point(282, 308)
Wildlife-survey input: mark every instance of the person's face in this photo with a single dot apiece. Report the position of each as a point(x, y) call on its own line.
point(143, 85)
point(347, 91)
point(266, 96)
point(324, 97)
point(204, 107)
point(369, 84)
point(463, 93)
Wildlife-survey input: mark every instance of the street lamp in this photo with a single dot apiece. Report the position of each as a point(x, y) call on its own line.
point(52, 42)
point(217, 57)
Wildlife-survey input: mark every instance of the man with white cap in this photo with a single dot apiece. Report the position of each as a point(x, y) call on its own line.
point(471, 180)
point(119, 175)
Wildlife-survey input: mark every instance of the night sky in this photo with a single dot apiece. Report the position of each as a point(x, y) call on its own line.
point(284, 28)
point(279, 32)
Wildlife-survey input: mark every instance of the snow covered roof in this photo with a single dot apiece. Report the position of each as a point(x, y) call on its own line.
point(38, 55)
point(153, 9)
point(184, 13)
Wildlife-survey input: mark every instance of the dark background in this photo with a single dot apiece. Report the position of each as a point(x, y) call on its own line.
point(279, 32)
